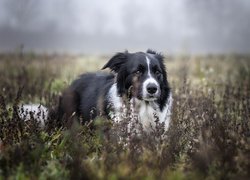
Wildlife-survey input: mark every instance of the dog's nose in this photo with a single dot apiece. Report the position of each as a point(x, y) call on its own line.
point(151, 88)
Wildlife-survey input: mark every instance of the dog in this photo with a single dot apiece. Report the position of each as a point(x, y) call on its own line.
point(138, 79)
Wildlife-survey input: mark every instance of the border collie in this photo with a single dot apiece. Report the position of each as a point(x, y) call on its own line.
point(138, 78)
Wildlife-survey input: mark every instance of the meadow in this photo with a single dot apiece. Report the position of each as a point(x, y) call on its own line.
point(209, 136)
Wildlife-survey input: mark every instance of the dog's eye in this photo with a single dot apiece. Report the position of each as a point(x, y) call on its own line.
point(157, 72)
point(138, 72)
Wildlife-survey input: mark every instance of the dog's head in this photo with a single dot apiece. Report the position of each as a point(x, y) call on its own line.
point(141, 75)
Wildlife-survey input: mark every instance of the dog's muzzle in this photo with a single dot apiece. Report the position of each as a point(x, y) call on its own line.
point(151, 91)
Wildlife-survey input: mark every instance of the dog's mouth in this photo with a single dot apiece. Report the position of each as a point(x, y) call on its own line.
point(150, 98)
point(147, 98)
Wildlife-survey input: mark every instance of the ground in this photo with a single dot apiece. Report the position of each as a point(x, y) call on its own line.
point(209, 136)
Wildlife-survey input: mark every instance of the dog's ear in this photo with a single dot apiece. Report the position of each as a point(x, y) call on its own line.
point(159, 56)
point(116, 61)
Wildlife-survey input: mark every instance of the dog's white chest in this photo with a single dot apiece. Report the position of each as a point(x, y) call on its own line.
point(148, 113)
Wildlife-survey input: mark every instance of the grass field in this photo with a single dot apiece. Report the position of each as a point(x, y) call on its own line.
point(209, 137)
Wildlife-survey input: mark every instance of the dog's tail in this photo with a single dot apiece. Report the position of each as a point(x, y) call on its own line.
point(34, 111)
point(59, 115)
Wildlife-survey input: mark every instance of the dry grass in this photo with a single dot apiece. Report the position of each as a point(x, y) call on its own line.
point(209, 136)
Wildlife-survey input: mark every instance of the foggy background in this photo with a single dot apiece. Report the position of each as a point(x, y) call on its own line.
point(108, 26)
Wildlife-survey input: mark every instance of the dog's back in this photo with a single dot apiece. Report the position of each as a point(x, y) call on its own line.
point(86, 97)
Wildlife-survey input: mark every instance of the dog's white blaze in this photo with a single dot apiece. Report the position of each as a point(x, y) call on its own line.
point(148, 63)
point(150, 79)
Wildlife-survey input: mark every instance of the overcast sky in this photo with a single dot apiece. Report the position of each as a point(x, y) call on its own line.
point(107, 26)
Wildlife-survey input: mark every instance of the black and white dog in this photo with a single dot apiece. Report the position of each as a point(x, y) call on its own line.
point(140, 78)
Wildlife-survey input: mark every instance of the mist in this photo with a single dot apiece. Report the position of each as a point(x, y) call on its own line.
point(92, 26)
